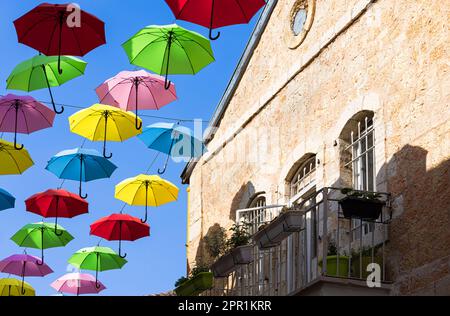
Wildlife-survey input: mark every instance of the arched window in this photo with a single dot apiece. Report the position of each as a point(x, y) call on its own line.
point(258, 201)
point(358, 151)
point(305, 177)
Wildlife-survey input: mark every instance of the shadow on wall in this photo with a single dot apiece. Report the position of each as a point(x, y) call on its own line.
point(419, 247)
point(210, 246)
point(241, 199)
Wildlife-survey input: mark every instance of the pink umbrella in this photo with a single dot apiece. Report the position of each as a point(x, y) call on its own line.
point(77, 283)
point(24, 115)
point(131, 90)
point(24, 265)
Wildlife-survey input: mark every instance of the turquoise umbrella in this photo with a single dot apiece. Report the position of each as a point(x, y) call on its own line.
point(83, 165)
point(7, 201)
point(174, 140)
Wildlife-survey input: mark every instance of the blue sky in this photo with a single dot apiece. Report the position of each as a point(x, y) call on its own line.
point(154, 263)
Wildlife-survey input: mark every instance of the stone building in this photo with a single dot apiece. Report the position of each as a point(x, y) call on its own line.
point(333, 94)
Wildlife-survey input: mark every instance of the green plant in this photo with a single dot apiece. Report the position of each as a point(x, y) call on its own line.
point(216, 242)
point(181, 281)
point(359, 194)
point(332, 248)
point(199, 269)
point(239, 237)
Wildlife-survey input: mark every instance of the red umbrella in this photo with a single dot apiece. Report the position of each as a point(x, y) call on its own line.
point(57, 203)
point(120, 227)
point(215, 13)
point(58, 29)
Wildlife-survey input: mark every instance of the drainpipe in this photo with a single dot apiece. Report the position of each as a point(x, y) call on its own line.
point(188, 229)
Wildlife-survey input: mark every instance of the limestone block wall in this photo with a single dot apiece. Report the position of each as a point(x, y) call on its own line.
point(389, 57)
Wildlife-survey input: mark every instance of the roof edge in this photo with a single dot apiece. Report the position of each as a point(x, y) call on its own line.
point(234, 82)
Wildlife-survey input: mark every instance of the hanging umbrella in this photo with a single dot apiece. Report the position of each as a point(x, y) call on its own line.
point(173, 140)
point(169, 49)
point(104, 123)
point(50, 29)
point(134, 90)
point(41, 236)
point(78, 284)
point(7, 201)
point(145, 190)
point(13, 161)
point(13, 287)
point(83, 165)
point(23, 114)
point(97, 259)
point(120, 227)
point(57, 203)
point(24, 266)
point(215, 13)
point(40, 72)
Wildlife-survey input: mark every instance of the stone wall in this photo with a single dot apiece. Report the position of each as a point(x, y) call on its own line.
point(389, 57)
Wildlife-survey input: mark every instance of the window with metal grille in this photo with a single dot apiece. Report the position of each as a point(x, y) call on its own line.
point(362, 152)
point(362, 148)
point(304, 178)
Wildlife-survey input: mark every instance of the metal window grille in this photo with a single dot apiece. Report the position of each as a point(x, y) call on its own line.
point(304, 177)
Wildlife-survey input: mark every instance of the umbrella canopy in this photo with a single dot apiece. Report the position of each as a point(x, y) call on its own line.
point(97, 259)
point(41, 236)
point(13, 287)
point(215, 13)
point(40, 72)
point(7, 201)
point(134, 90)
point(104, 123)
point(24, 115)
point(57, 203)
point(24, 266)
point(83, 165)
point(52, 30)
point(77, 284)
point(173, 140)
point(13, 161)
point(146, 190)
point(169, 49)
point(120, 227)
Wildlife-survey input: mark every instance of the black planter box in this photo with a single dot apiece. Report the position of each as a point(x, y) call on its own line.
point(228, 263)
point(360, 208)
point(282, 227)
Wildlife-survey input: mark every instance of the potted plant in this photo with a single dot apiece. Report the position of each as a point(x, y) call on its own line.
point(337, 266)
point(200, 280)
point(289, 222)
point(238, 251)
point(361, 205)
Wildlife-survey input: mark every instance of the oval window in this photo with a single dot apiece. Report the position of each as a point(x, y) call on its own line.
point(299, 21)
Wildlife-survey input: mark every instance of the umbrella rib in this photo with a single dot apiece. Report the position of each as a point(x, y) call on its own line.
point(43, 116)
point(53, 34)
point(153, 96)
point(144, 48)
point(117, 128)
point(101, 166)
point(26, 121)
point(35, 25)
point(15, 162)
point(6, 113)
point(198, 43)
point(242, 11)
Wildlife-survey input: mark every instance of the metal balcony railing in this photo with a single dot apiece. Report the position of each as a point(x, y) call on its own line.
point(304, 256)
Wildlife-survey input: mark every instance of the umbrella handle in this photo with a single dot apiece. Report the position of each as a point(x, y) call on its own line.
point(51, 94)
point(213, 38)
point(84, 197)
point(211, 25)
point(138, 124)
point(104, 139)
point(15, 128)
point(97, 283)
point(42, 254)
point(167, 83)
point(120, 250)
point(146, 204)
point(61, 22)
point(22, 290)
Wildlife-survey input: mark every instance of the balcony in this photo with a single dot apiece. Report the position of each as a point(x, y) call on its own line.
point(311, 249)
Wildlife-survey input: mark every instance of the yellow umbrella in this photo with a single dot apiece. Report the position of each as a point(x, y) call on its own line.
point(104, 123)
point(145, 190)
point(13, 161)
point(13, 287)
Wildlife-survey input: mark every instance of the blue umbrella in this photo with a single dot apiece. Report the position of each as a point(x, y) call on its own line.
point(82, 165)
point(173, 140)
point(7, 201)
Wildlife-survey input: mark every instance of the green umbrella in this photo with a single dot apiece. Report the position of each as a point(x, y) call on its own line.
point(97, 259)
point(169, 49)
point(41, 72)
point(42, 236)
